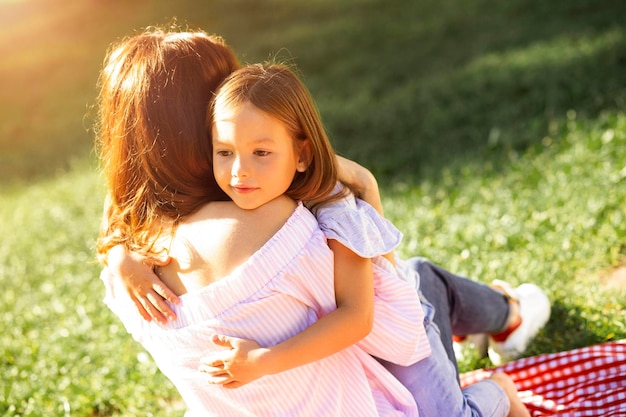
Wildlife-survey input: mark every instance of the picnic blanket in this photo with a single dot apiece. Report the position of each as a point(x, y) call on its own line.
point(589, 381)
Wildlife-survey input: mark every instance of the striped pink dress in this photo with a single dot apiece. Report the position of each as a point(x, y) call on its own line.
point(281, 290)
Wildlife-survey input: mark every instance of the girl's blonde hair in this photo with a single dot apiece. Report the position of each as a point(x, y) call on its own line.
point(151, 136)
point(276, 90)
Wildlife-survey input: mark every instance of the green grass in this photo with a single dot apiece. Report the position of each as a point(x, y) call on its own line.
point(497, 131)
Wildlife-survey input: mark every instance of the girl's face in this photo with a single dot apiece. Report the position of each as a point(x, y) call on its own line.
point(254, 156)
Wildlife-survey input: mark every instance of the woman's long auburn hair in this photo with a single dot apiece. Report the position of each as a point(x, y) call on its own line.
point(277, 91)
point(151, 135)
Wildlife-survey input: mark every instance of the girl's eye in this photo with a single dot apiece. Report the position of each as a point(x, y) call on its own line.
point(261, 153)
point(223, 153)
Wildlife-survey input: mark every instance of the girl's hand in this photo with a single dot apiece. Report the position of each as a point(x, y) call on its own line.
point(143, 286)
point(361, 180)
point(236, 366)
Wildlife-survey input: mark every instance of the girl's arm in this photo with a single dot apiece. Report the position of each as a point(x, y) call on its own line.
point(143, 286)
point(246, 361)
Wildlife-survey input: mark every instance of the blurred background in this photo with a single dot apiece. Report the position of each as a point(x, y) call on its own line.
point(429, 76)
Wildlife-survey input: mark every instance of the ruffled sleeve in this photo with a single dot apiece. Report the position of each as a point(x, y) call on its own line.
point(358, 226)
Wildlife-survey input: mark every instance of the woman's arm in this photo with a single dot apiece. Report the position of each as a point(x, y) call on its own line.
point(246, 361)
point(143, 286)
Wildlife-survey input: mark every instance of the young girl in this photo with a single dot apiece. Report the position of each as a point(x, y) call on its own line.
point(265, 128)
point(267, 144)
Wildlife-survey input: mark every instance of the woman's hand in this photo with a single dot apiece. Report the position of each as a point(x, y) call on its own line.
point(242, 362)
point(143, 286)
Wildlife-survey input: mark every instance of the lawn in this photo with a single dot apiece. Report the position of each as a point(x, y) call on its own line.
point(497, 132)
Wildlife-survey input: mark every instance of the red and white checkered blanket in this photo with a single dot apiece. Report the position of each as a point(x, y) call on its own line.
point(589, 381)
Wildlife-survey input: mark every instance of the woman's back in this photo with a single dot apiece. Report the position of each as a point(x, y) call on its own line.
point(217, 239)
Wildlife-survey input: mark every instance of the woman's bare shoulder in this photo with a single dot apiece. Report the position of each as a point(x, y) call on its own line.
point(221, 236)
point(277, 210)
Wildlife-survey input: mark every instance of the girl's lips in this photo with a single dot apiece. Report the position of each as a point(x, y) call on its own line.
point(242, 189)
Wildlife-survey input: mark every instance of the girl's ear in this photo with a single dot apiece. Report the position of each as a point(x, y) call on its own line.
point(305, 156)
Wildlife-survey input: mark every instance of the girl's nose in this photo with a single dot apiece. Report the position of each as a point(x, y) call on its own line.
point(238, 169)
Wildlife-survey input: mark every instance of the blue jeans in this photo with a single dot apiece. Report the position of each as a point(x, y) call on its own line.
point(453, 305)
point(462, 306)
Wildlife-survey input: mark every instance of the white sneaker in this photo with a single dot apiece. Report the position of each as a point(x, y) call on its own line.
point(534, 309)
